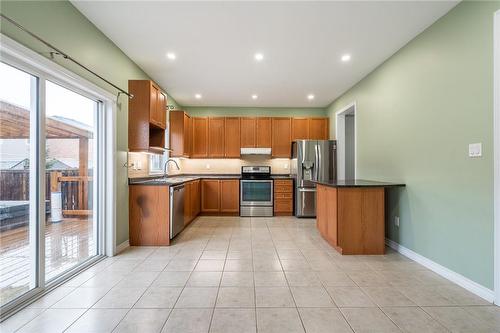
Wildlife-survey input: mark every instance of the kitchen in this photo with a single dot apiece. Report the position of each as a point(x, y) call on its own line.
point(249, 166)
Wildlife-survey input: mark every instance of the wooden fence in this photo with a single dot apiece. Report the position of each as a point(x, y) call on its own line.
point(14, 185)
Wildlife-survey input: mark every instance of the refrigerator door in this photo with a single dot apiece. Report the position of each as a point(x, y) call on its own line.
point(306, 162)
point(326, 160)
point(306, 202)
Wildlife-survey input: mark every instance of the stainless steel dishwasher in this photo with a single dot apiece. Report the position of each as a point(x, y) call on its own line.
point(176, 209)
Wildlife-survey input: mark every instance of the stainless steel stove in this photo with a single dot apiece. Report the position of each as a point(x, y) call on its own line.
point(256, 191)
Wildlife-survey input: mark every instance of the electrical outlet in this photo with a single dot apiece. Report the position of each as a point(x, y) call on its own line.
point(396, 221)
point(208, 166)
point(475, 150)
point(139, 165)
point(285, 166)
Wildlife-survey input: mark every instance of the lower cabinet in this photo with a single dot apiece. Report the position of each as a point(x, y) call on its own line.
point(191, 201)
point(220, 196)
point(352, 219)
point(283, 197)
point(149, 225)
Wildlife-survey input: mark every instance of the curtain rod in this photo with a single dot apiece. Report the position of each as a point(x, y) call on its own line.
point(64, 55)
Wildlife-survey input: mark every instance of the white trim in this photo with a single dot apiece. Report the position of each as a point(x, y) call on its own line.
point(453, 276)
point(122, 247)
point(340, 137)
point(496, 153)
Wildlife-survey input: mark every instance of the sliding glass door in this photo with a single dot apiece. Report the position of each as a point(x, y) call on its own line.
point(18, 180)
point(50, 143)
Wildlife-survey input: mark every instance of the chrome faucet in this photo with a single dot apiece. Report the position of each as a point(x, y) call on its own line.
point(166, 164)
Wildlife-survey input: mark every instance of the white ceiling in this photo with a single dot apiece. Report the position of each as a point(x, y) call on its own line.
point(302, 43)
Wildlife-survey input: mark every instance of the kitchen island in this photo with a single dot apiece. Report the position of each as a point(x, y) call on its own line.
point(350, 215)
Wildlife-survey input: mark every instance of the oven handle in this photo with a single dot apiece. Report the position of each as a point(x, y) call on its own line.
point(256, 180)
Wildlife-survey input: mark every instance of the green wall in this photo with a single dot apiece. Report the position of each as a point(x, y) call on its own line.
point(250, 112)
point(65, 27)
point(416, 115)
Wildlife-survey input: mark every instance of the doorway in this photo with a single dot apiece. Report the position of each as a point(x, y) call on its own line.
point(345, 128)
point(496, 145)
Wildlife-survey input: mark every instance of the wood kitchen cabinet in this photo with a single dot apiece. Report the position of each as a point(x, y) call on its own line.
point(216, 137)
point(300, 129)
point(263, 132)
point(210, 195)
point(149, 215)
point(220, 196)
point(199, 137)
point(310, 128)
point(229, 196)
point(281, 137)
point(232, 130)
point(319, 128)
point(191, 201)
point(248, 132)
point(351, 219)
point(283, 197)
point(147, 116)
point(180, 134)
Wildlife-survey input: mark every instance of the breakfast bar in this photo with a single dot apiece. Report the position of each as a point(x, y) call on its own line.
point(350, 215)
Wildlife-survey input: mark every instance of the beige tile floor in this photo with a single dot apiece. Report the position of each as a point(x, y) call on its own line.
point(255, 275)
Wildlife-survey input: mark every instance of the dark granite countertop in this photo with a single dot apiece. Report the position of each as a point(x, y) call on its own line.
point(359, 183)
point(182, 178)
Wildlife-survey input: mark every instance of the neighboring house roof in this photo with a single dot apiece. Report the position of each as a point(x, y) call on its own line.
point(52, 164)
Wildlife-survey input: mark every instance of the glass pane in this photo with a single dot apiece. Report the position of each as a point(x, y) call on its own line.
point(71, 135)
point(17, 200)
point(257, 191)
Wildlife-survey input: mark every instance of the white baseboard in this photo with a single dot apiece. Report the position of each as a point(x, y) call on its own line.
point(455, 277)
point(122, 247)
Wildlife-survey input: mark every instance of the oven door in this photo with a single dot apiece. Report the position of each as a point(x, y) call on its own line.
point(256, 192)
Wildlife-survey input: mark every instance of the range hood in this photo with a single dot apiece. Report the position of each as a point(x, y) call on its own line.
point(255, 151)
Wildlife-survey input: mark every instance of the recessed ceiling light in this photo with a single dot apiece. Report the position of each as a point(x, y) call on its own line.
point(346, 57)
point(254, 96)
point(171, 56)
point(197, 96)
point(310, 97)
point(259, 56)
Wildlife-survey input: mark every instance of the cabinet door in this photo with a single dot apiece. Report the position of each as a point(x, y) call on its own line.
point(177, 133)
point(186, 152)
point(187, 203)
point(300, 129)
point(216, 137)
point(281, 137)
point(154, 116)
point(318, 128)
point(195, 198)
point(210, 196)
point(199, 137)
point(263, 137)
point(248, 131)
point(161, 109)
point(230, 196)
point(232, 137)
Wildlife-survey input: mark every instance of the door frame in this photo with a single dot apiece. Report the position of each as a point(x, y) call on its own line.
point(340, 135)
point(496, 152)
point(14, 53)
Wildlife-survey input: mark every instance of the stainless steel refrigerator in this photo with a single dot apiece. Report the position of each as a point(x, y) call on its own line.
point(311, 160)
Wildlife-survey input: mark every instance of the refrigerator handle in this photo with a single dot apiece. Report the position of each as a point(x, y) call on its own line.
point(318, 161)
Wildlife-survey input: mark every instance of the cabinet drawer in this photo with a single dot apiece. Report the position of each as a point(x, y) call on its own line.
point(285, 195)
point(283, 188)
point(283, 205)
point(287, 182)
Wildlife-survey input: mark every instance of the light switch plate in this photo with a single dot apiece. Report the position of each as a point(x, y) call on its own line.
point(476, 149)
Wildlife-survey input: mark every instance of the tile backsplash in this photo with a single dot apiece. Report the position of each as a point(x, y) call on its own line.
point(207, 166)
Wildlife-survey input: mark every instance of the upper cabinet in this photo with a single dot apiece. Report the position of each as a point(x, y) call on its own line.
point(310, 128)
point(199, 137)
point(232, 130)
point(319, 128)
point(216, 137)
point(263, 132)
point(248, 132)
point(147, 116)
point(180, 134)
point(281, 137)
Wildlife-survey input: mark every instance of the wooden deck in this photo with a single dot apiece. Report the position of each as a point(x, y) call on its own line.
point(66, 244)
